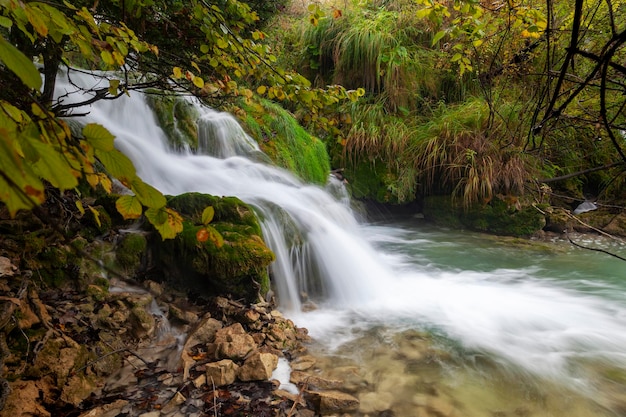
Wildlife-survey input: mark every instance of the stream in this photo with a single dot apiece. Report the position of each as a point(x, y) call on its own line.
point(508, 327)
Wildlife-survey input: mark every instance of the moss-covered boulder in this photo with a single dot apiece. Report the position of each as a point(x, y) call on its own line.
point(499, 216)
point(238, 267)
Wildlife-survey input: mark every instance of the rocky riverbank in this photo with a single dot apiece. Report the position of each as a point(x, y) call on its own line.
point(151, 351)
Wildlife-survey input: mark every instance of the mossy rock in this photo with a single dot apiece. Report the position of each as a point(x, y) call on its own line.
point(177, 117)
point(497, 217)
point(368, 180)
point(130, 251)
point(237, 268)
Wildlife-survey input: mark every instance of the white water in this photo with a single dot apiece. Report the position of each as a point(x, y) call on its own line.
point(523, 319)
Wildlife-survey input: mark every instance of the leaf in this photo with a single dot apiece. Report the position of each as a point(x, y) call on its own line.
point(261, 89)
point(19, 64)
point(147, 194)
point(107, 57)
point(129, 207)
point(167, 221)
point(178, 72)
point(113, 86)
point(215, 236)
point(117, 164)
point(98, 136)
point(198, 82)
point(5, 22)
point(337, 13)
point(438, 36)
point(207, 215)
point(202, 235)
point(96, 215)
point(53, 166)
point(456, 57)
point(79, 206)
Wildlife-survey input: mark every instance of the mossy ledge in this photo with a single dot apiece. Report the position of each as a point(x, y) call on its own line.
point(287, 143)
point(498, 216)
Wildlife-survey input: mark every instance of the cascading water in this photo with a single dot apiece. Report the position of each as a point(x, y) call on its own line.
point(536, 323)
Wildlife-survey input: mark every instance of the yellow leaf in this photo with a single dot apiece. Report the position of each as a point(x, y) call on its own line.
point(261, 89)
point(198, 82)
point(193, 64)
point(178, 73)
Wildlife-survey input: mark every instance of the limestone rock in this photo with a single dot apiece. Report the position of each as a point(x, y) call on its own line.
point(303, 363)
point(24, 400)
point(314, 381)
point(258, 367)
point(374, 402)
point(221, 373)
point(233, 342)
point(203, 333)
point(328, 402)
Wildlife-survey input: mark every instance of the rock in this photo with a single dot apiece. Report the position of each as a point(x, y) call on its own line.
point(203, 333)
point(327, 402)
point(143, 323)
point(233, 342)
point(295, 398)
point(258, 367)
point(304, 379)
point(174, 403)
point(220, 373)
point(7, 269)
point(183, 316)
point(199, 381)
point(303, 363)
point(374, 402)
point(77, 389)
point(24, 400)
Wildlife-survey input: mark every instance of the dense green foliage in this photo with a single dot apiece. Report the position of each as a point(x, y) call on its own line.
point(471, 99)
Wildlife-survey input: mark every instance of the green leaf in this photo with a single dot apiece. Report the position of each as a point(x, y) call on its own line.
point(113, 86)
point(129, 207)
point(6, 22)
point(438, 36)
point(167, 221)
point(19, 64)
point(207, 215)
point(147, 194)
point(456, 57)
point(215, 236)
point(117, 165)
point(98, 136)
point(52, 166)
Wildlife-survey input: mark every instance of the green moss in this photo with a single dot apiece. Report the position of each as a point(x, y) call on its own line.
point(287, 143)
point(177, 117)
point(129, 252)
point(368, 180)
point(497, 217)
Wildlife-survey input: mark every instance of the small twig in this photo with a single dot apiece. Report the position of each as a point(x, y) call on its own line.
point(593, 249)
point(299, 398)
point(214, 397)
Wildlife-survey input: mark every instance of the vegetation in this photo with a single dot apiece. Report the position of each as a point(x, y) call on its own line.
point(470, 99)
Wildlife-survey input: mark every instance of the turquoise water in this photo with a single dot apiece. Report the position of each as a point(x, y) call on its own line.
point(505, 326)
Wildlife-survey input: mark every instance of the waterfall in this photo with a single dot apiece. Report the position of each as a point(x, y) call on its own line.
point(313, 232)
